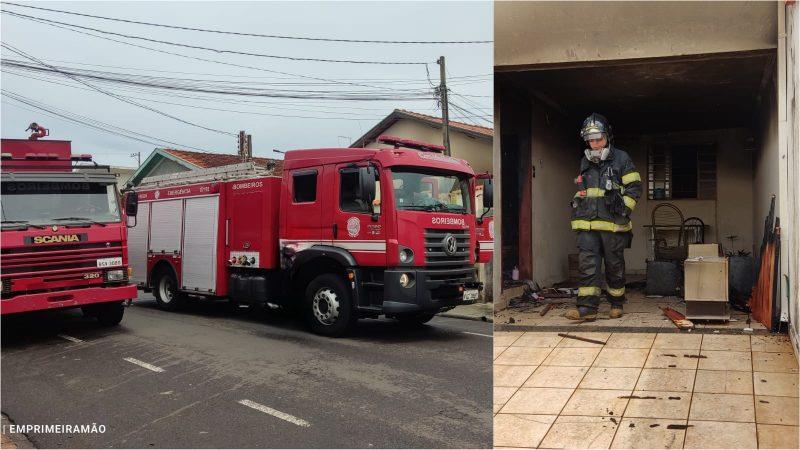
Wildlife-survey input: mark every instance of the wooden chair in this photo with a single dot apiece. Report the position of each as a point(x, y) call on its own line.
point(668, 233)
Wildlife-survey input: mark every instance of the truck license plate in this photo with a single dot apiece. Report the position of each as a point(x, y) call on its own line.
point(470, 295)
point(109, 262)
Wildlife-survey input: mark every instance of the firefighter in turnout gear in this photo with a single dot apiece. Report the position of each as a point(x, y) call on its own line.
point(608, 188)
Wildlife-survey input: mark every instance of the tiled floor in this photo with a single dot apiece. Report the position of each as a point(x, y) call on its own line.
point(640, 312)
point(644, 390)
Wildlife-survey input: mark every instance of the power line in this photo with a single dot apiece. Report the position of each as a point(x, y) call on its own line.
point(25, 55)
point(217, 50)
point(89, 122)
point(195, 58)
point(236, 33)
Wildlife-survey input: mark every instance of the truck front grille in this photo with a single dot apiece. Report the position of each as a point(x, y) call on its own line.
point(435, 252)
point(55, 263)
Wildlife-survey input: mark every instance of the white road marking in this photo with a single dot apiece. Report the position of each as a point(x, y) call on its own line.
point(477, 334)
point(275, 413)
point(70, 338)
point(144, 364)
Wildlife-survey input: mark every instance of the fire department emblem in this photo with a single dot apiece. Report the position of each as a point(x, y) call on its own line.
point(353, 226)
point(491, 229)
point(157, 194)
point(450, 244)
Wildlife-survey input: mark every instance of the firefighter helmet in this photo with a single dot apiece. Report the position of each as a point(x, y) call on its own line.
point(594, 127)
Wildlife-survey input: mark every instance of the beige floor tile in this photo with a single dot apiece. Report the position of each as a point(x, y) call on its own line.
point(777, 436)
point(505, 338)
point(498, 351)
point(706, 434)
point(575, 357)
point(513, 376)
point(667, 358)
point(648, 433)
point(597, 402)
point(536, 339)
point(501, 394)
point(673, 380)
point(656, 404)
point(496, 408)
point(631, 340)
point(776, 383)
point(537, 401)
point(580, 432)
point(620, 378)
point(520, 430)
point(722, 407)
point(556, 376)
point(723, 382)
point(724, 360)
point(621, 357)
point(523, 356)
point(771, 344)
point(573, 343)
point(732, 343)
point(677, 340)
point(774, 362)
point(776, 410)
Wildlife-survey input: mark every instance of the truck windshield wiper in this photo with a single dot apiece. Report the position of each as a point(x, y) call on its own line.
point(22, 222)
point(86, 219)
point(456, 209)
point(423, 207)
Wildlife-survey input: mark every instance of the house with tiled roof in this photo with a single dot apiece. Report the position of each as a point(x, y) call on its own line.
point(470, 142)
point(169, 160)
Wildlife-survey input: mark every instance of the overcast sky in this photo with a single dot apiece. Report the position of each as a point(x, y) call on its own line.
point(324, 123)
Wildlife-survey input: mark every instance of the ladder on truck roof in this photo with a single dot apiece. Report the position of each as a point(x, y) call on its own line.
point(222, 173)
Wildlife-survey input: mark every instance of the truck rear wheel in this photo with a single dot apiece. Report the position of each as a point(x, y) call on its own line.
point(166, 291)
point(109, 314)
point(329, 306)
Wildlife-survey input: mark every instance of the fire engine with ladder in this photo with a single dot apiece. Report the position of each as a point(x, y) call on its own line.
point(340, 234)
point(63, 235)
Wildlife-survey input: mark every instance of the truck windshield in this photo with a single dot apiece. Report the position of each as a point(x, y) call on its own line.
point(43, 203)
point(429, 190)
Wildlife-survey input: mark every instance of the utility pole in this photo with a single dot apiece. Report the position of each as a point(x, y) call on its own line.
point(138, 156)
point(443, 102)
point(245, 143)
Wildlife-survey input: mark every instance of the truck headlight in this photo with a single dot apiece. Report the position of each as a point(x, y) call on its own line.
point(406, 255)
point(115, 275)
point(406, 280)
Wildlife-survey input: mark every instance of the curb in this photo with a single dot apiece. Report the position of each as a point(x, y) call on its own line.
point(467, 317)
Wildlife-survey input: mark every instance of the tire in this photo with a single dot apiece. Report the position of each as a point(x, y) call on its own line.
point(165, 289)
point(328, 306)
point(109, 314)
point(415, 319)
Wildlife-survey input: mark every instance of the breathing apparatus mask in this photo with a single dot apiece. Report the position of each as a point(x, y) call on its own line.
point(596, 127)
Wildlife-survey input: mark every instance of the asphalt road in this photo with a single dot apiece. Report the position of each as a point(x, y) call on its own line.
point(233, 378)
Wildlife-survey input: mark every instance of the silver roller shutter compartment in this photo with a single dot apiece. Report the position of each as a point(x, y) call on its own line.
point(137, 244)
point(200, 244)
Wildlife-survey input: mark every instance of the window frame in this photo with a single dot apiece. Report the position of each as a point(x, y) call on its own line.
point(301, 173)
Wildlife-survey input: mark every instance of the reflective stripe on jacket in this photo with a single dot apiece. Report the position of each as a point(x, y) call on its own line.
point(597, 208)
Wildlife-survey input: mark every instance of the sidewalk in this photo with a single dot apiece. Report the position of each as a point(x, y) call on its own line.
point(475, 311)
point(644, 390)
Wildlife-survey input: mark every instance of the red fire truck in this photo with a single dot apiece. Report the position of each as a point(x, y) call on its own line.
point(341, 234)
point(63, 236)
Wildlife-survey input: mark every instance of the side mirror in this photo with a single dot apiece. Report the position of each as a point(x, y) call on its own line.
point(367, 181)
point(488, 193)
point(131, 204)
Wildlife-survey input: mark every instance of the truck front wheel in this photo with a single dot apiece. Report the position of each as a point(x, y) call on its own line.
point(415, 319)
point(166, 291)
point(329, 306)
point(109, 314)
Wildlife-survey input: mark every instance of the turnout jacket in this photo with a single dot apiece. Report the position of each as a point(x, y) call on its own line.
point(607, 194)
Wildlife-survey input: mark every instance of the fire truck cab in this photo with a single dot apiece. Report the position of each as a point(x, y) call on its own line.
point(63, 236)
point(342, 234)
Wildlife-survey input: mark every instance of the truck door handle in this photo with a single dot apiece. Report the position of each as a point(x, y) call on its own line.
point(335, 231)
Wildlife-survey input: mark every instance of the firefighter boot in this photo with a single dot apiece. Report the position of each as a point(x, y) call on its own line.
point(582, 313)
point(616, 311)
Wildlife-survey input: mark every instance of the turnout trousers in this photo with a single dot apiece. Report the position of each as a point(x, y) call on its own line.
point(596, 247)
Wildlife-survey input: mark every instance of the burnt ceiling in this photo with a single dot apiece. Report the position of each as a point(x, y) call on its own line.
point(655, 96)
